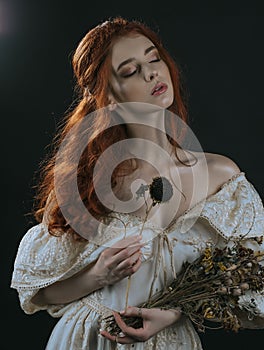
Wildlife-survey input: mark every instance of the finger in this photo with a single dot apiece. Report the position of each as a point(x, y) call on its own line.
point(108, 335)
point(133, 311)
point(128, 331)
point(129, 262)
point(120, 340)
point(125, 242)
point(121, 246)
point(126, 253)
point(131, 270)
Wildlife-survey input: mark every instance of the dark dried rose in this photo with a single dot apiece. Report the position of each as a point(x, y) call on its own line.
point(160, 190)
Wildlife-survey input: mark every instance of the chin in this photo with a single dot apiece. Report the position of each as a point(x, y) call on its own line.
point(166, 103)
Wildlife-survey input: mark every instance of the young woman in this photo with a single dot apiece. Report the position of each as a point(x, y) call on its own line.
point(128, 127)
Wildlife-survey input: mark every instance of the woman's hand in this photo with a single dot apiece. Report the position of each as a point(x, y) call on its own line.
point(119, 261)
point(154, 320)
point(113, 264)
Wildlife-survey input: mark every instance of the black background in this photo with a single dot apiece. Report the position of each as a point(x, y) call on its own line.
point(221, 53)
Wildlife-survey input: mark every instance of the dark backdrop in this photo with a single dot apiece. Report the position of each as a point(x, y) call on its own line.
point(220, 51)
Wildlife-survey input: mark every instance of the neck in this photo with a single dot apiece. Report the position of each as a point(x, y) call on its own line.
point(146, 129)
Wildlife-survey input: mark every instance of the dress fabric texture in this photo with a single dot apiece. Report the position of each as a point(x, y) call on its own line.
point(235, 211)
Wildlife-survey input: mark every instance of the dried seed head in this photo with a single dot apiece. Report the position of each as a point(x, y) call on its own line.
point(237, 291)
point(244, 286)
point(229, 282)
point(222, 290)
point(160, 190)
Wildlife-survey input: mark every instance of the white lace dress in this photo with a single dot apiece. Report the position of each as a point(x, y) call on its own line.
point(235, 210)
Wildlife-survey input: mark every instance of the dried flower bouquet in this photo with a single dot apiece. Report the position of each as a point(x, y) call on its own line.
point(209, 288)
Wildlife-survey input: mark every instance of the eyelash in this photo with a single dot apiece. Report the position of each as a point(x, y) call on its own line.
point(156, 60)
point(130, 75)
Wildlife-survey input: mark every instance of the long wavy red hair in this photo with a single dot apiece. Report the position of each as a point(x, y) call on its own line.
point(92, 66)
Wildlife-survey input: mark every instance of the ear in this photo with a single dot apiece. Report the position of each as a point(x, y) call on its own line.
point(112, 102)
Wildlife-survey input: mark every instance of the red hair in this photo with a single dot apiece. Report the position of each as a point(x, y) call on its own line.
point(92, 67)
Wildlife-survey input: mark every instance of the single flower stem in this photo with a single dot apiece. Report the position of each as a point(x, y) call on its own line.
point(127, 290)
point(140, 232)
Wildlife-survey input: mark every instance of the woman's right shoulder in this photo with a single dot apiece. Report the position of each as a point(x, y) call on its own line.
point(40, 248)
point(35, 232)
point(38, 237)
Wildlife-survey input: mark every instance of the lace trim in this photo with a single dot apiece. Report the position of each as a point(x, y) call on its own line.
point(222, 233)
point(101, 309)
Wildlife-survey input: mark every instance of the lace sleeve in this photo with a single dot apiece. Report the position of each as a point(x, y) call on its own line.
point(236, 210)
point(43, 259)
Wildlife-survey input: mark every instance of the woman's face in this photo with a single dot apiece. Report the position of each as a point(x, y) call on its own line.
point(138, 74)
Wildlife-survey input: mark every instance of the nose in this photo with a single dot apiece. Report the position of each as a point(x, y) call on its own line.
point(150, 74)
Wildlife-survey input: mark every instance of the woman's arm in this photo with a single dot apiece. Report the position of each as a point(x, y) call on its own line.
point(114, 264)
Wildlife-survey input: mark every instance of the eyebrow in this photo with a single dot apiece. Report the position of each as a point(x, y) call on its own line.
point(152, 47)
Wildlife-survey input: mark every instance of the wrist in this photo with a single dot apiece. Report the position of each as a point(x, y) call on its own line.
point(177, 313)
point(99, 281)
point(88, 280)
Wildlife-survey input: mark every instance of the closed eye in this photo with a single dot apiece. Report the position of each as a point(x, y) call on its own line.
point(155, 60)
point(129, 74)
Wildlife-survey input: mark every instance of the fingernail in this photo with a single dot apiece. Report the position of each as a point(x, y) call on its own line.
point(122, 312)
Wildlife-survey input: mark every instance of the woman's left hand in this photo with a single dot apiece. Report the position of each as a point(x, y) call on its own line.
point(154, 320)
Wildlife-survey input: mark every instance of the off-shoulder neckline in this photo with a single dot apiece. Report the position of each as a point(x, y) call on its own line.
point(176, 220)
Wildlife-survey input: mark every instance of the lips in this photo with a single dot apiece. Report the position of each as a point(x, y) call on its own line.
point(159, 89)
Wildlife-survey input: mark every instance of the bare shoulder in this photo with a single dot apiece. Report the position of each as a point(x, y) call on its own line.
point(221, 168)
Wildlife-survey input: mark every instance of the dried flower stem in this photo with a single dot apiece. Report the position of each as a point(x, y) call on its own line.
point(140, 232)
